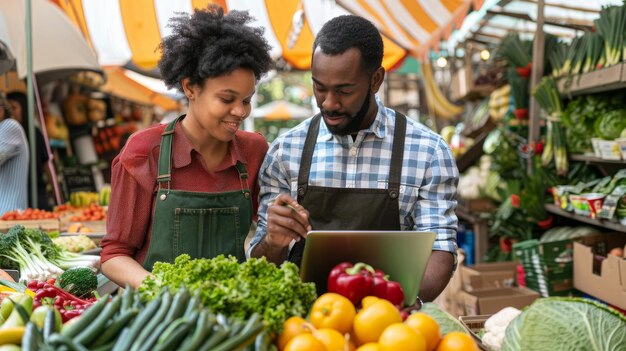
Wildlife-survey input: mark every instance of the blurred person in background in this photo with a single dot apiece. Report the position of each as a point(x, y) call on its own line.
point(13, 161)
point(19, 112)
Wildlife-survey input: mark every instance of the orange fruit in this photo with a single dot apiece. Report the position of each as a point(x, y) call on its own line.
point(332, 339)
point(370, 346)
point(292, 327)
point(457, 341)
point(372, 320)
point(305, 342)
point(333, 311)
point(427, 326)
point(400, 337)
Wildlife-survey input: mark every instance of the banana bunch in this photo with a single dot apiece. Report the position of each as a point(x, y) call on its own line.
point(499, 102)
point(438, 103)
point(104, 196)
point(83, 198)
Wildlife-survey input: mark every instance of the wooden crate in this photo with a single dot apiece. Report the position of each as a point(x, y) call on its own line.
point(474, 324)
point(47, 225)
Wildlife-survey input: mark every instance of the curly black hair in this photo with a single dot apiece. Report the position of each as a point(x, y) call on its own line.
point(208, 44)
point(344, 32)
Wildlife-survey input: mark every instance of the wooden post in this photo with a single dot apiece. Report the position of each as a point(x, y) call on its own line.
point(536, 74)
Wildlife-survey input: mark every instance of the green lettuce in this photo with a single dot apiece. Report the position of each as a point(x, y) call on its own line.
point(560, 323)
point(610, 125)
point(238, 290)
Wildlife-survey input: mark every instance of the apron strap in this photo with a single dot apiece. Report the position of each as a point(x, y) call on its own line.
point(397, 154)
point(395, 167)
point(165, 154)
point(243, 178)
point(307, 156)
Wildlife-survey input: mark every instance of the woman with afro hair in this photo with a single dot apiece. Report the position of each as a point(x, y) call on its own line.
point(190, 187)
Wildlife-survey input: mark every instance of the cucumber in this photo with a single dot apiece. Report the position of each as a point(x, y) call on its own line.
point(106, 347)
point(113, 329)
point(217, 337)
point(127, 297)
point(193, 305)
point(172, 339)
point(31, 337)
point(203, 329)
point(86, 318)
point(248, 333)
point(62, 340)
point(178, 305)
point(159, 317)
point(263, 341)
point(90, 334)
point(124, 343)
point(49, 324)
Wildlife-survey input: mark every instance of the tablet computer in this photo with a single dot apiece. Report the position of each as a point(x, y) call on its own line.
point(402, 255)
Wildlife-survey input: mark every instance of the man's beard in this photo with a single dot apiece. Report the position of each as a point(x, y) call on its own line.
point(355, 121)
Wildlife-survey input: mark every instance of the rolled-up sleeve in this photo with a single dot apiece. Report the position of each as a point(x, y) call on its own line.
point(130, 213)
point(437, 199)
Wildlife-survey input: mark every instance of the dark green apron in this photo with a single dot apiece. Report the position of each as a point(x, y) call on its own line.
point(202, 225)
point(350, 208)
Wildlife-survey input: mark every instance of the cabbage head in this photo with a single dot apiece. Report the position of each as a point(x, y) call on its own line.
point(561, 323)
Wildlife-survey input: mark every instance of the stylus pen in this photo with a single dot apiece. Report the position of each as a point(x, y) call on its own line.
point(272, 201)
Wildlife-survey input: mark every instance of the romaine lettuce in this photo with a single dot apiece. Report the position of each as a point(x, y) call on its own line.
point(560, 323)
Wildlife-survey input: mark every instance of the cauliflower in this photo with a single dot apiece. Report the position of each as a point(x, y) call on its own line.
point(495, 327)
point(75, 243)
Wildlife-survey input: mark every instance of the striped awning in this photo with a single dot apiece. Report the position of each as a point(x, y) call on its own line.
point(129, 31)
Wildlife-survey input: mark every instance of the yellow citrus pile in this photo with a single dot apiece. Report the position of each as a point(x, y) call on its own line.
point(335, 325)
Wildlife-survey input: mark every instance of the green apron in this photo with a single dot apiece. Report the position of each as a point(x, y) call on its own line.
point(202, 225)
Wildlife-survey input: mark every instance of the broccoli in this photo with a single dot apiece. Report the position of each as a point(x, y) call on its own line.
point(78, 281)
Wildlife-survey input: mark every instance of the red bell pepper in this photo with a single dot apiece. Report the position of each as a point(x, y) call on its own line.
point(354, 282)
point(387, 289)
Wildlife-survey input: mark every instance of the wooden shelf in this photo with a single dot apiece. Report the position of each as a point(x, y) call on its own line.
point(605, 79)
point(608, 224)
point(594, 159)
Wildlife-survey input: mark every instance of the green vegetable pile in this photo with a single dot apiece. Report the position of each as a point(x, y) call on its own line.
point(234, 289)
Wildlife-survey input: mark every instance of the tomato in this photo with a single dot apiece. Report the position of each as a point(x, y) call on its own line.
point(333, 340)
point(457, 341)
point(425, 325)
point(400, 337)
point(333, 311)
point(305, 342)
point(372, 320)
point(293, 326)
point(370, 346)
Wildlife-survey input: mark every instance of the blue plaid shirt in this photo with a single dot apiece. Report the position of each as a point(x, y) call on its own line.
point(429, 173)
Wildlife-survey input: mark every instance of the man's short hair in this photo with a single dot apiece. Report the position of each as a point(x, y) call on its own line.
point(344, 32)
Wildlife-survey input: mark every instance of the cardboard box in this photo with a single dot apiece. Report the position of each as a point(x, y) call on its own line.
point(608, 282)
point(489, 276)
point(493, 300)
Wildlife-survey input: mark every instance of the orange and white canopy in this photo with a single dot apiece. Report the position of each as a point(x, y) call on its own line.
point(130, 30)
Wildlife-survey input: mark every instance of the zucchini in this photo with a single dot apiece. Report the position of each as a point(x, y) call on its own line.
point(90, 334)
point(114, 328)
point(140, 322)
point(31, 337)
point(203, 329)
point(86, 318)
point(159, 317)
